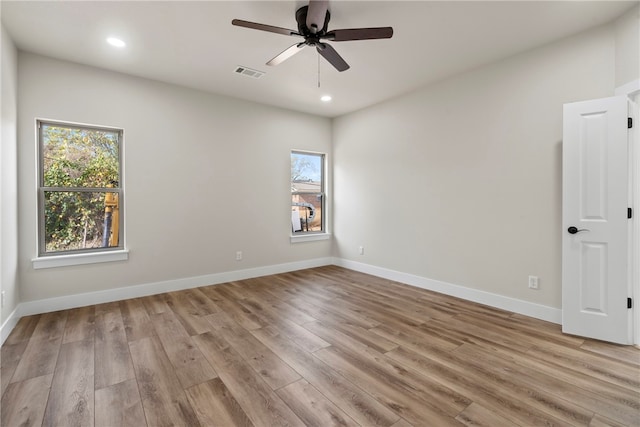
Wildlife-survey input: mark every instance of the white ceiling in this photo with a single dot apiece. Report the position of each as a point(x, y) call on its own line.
point(193, 44)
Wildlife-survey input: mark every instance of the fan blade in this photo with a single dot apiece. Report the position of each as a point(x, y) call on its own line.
point(332, 56)
point(263, 27)
point(359, 34)
point(286, 54)
point(316, 15)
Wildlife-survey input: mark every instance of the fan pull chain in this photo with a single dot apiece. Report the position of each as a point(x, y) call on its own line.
point(318, 70)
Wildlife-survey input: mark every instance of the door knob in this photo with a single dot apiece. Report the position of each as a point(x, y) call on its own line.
point(574, 230)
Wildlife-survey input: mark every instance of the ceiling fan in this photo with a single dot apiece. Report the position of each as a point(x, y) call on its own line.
point(312, 26)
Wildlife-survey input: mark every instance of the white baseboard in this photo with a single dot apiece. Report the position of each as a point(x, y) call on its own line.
point(8, 325)
point(90, 298)
point(538, 311)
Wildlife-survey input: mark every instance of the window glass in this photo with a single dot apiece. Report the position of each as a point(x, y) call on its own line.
point(80, 195)
point(307, 192)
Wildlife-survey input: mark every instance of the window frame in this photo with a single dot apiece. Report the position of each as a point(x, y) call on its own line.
point(303, 236)
point(87, 255)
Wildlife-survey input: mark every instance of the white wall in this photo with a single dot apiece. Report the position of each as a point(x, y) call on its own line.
point(461, 181)
point(205, 176)
point(458, 182)
point(627, 30)
point(8, 180)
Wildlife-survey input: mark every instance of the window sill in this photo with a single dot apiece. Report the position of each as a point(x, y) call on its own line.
point(79, 259)
point(310, 237)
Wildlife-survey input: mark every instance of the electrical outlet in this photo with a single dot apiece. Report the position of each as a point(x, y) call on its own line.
point(533, 282)
point(239, 256)
point(361, 250)
point(2, 299)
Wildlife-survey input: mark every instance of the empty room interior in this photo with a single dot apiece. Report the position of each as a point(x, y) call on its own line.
point(456, 243)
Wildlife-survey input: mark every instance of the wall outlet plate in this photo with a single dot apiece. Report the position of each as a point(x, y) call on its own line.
point(533, 282)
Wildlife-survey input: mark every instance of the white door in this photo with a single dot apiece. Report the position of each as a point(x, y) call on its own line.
point(596, 231)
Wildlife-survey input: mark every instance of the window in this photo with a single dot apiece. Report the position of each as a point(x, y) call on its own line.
point(79, 189)
point(307, 192)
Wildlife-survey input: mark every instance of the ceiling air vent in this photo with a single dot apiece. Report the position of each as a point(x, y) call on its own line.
point(249, 72)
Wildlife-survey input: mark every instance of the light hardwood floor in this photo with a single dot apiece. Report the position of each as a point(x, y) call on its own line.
point(319, 347)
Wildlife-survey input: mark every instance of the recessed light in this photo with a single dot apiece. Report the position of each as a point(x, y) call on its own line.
point(116, 42)
point(325, 98)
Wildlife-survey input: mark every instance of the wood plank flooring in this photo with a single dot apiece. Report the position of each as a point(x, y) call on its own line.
point(318, 347)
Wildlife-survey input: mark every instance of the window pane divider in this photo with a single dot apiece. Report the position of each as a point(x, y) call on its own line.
point(83, 189)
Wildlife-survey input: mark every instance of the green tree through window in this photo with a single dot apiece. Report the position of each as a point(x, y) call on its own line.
point(79, 169)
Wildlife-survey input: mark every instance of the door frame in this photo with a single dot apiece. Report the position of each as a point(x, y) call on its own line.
point(632, 90)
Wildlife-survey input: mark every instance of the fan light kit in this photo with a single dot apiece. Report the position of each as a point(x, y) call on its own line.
point(312, 26)
point(326, 98)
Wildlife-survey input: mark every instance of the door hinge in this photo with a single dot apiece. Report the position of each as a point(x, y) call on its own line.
point(629, 303)
point(629, 122)
point(629, 213)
